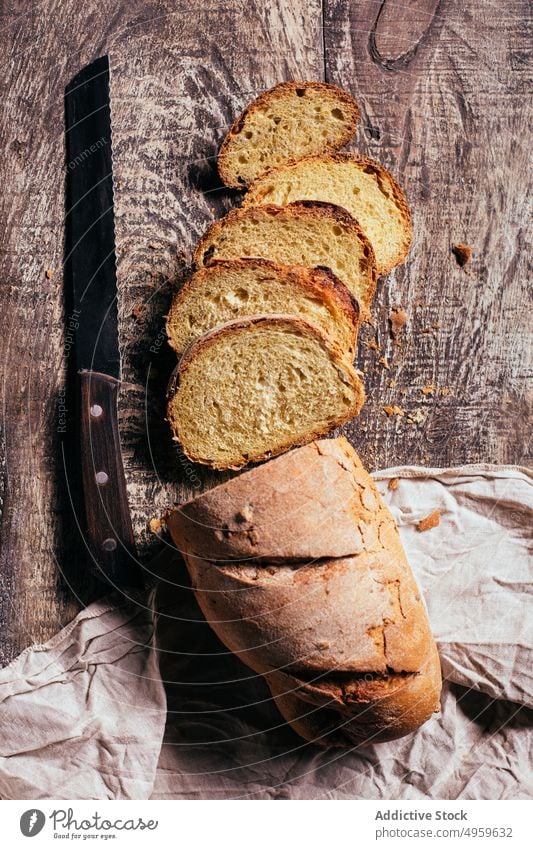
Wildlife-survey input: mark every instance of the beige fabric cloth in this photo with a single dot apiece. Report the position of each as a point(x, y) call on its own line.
point(83, 717)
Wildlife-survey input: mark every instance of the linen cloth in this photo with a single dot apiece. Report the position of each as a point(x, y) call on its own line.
point(87, 716)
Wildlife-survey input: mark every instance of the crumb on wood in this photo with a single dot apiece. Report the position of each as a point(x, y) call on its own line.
point(49, 273)
point(397, 320)
point(462, 254)
point(418, 416)
point(392, 383)
point(156, 525)
point(139, 313)
point(393, 484)
point(373, 345)
point(429, 389)
point(393, 410)
point(445, 391)
point(383, 361)
point(429, 521)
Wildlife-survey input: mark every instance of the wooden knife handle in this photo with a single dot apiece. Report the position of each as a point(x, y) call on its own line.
point(109, 530)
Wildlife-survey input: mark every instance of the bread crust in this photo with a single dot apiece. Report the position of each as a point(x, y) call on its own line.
point(236, 518)
point(224, 154)
point(382, 710)
point(289, 322)
point(320, 282)
point(342, 641)
point(382, 175)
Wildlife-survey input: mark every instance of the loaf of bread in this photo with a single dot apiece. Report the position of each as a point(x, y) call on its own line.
point(306, 233)
point(357, 183)
point(291, 120)
point(299, 569)
point(235, 288)
point(254, 387)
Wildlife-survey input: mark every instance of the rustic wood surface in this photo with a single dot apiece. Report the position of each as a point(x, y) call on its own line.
point(443, 88)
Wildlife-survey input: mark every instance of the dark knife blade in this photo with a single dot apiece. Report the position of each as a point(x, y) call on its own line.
point(90, 276)
point(90, 219)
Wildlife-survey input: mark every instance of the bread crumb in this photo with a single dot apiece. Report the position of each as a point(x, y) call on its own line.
point(373, 345)
point(156, 525)
point(49, 273)
point(418, 416)
point(462, 254)
point(139, 314)
point(445, 391)
point(383, 361)
point(393, 411)
point(392, 383)
point(429, 389)
point(397, 319)
point(393, 484)
point(428, 522)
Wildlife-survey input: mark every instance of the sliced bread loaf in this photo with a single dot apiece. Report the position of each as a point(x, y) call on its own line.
point(234, 288)
point(301, 233)
point(356, 183)
point(298, 567)
point(288, 121)
point(255, 387)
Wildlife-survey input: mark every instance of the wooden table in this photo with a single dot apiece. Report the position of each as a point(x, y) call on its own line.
point(443, 89)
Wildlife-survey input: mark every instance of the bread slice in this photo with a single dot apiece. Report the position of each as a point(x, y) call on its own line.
point(357, 183)
point(301, 233)
point(235, 288)
point(254, 387)
point(288, 121)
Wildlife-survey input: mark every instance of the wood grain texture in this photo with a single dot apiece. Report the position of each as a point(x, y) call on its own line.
point(442, 97)
point(178, 78)
point(443, 91)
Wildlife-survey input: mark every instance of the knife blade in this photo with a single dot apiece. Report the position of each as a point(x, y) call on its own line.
point(90, 275)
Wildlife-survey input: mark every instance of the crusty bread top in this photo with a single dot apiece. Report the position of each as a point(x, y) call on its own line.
point(360, 612)
point(355, 710)
point(342, 640)
point(220, 433)
point(230, 288)
point(272, 512)
point(290, 120)
point(301, 233)
point(329, 178)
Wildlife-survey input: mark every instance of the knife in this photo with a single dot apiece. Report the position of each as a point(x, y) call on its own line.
point(91, 281)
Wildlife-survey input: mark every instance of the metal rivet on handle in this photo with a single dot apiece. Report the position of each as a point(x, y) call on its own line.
point(96, 411)
point(101, 478)
point(109, 544)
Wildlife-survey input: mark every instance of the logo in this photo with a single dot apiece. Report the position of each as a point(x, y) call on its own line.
point(32, 822)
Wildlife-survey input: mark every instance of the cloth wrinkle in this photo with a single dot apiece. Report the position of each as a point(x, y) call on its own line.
point(91, 715)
